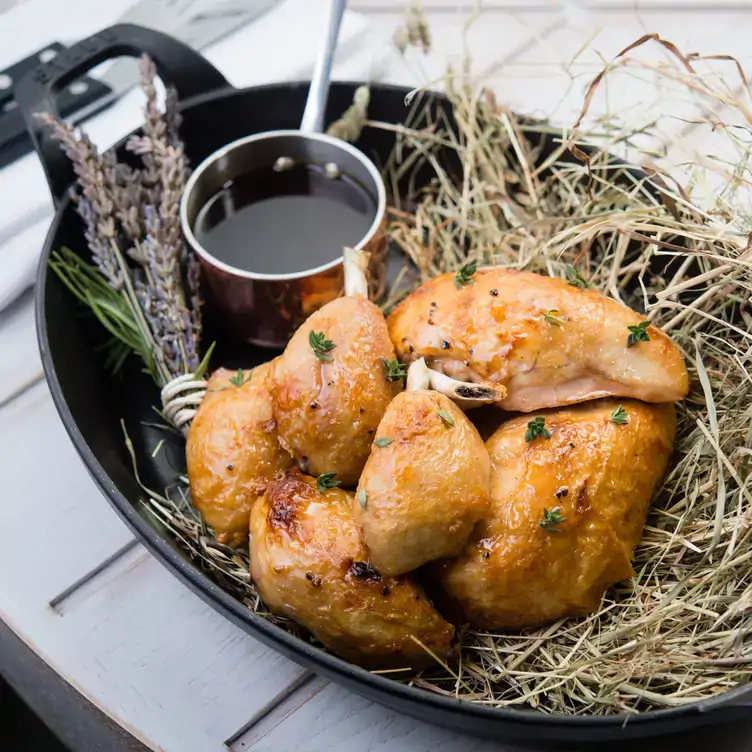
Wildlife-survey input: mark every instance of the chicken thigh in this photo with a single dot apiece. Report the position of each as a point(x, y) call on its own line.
point(232, 450)
point(309, 564)
point(566, 512)
point(332, 383)
point(548, 342)
point(426, 482)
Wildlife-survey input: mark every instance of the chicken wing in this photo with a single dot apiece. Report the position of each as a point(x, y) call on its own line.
point(548, 342)
point(232, 450)
point(309, 564)
point(566, 512)
point(426, 482)
point(332, 385)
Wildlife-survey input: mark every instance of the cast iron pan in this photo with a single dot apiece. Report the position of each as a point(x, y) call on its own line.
point(92, 403)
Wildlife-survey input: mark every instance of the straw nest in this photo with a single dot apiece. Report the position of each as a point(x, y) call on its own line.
point(679, 630)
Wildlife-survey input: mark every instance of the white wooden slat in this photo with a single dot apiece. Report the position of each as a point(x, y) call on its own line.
point(133, 640)
point(20, 365)
point(491, 40)
point(558, 71)
point(325, 716)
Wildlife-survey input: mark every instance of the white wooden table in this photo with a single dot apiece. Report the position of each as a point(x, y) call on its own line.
point(93, 604)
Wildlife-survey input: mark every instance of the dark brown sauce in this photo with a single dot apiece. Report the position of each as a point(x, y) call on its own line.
point(284, 222)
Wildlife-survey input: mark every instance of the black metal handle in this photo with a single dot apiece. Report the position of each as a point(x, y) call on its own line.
point(177, 64)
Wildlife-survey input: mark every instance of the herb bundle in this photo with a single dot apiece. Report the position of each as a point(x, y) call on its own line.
point(142, 285)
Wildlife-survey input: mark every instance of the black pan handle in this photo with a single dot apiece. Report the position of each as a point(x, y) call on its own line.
point(177, 64)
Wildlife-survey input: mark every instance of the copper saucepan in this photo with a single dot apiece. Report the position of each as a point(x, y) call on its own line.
point(265, 309)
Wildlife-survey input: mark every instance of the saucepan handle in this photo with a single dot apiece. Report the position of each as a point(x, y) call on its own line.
point(177, 64)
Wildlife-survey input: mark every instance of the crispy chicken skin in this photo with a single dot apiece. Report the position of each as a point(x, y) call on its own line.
point(426, 490)
point(309, 564)
point(495, 329)
point(601, 475)
point(328, 412)
point(232, 451)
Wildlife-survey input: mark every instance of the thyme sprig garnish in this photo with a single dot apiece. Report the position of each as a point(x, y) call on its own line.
point(575, 279)
point(536, 428)
point(326, 480)
point(241, 378)
point(464, 275)
point(362, 498)
point(619, 416)
point(394, 369)
point(638, 333)
point(321, 346)
point(446, 417)
point(551, 519)
point(552, 317)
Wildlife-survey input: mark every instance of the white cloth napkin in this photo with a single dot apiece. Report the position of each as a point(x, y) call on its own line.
point(280, 45)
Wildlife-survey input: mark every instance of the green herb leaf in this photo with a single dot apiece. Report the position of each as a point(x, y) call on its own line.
point(394, 370)
point(326, 480)
point(552, 317)
point(551, 520)
point(638, 333)
point(619, 416)
point(464, 275)
point(241, 378)
point(535, 428)
point(384, 441)
point(576, 279)
point(362, 498)
point(446, 417)
point(321, 345)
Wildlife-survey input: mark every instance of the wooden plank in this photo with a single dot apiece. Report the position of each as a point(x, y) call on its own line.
point(491, 41)
point(133, 640)
point(557, 72)
point(325, 716)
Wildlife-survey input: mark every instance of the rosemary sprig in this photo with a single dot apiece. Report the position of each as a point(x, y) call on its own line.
point(321, 346)
point(362, 498)
point(384, 441)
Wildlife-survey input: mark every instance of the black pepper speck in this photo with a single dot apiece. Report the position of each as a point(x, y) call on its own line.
point(229, 467)
point(362, 410)
point(486, 554)
point(562, 492)
point(314, 405)
point(385, 590)
point(494, 292)
point(445, 345)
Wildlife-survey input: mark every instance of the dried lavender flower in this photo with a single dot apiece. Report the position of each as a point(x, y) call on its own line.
point(132, 213)
point(415, 32)
point(353, 120)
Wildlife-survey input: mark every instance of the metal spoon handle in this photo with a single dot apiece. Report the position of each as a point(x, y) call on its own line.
point(313, 115)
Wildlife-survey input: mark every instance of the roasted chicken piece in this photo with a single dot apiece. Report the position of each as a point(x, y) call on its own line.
point(232, 450)
point(332, 383)
point(309, 564)
point(566, 512)
point(426, 482)
point(548, 342)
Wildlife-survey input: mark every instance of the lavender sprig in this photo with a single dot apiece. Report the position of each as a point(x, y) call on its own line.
point(133, 214)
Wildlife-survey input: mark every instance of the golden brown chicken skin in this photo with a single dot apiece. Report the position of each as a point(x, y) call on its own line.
point(309, 564)
point(232, 451)
point(600, 475)
point(328, 409)
point(496, 329)
point(424, 491)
